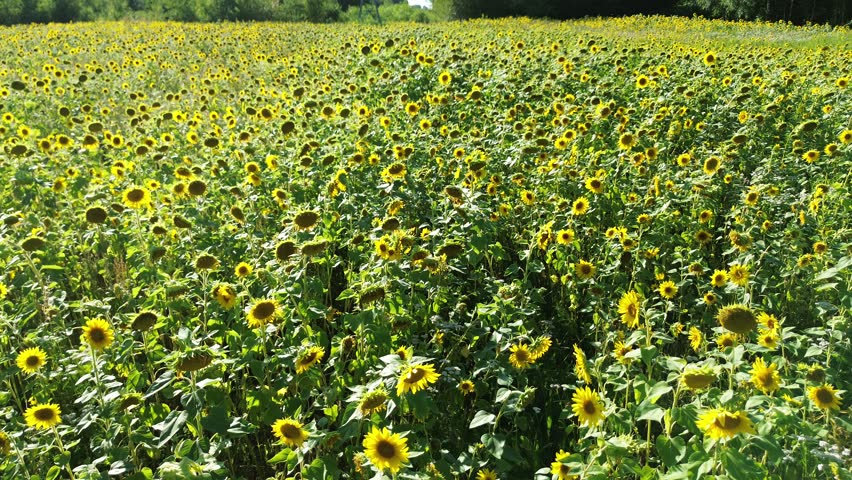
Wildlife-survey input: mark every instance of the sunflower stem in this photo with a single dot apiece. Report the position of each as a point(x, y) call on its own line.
point(62, 449)
point(97, 375)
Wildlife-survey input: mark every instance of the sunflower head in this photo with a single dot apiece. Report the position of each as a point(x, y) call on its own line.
point(43, 416)
point(737, 318)
point(308, 358)
point(696, 378)
point(262, 312)
point(373, 402)
point(290, 432)
point(824, 397)
point(31, 359)
point(720, 424)
point(98, 334)
point(386, 450)
point(587, 406)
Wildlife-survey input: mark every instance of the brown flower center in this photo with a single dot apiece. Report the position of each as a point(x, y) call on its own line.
point(97, 335)
point(44, 414)
point(136, 195)
point(263, 310)
point(728, 422)
point(386, 449)
point(290, 431)
point(415, 375)
point(32, 361)
point(589, 407)
point(824, 396)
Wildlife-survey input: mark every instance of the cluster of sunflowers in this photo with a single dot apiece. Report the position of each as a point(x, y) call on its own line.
point(492, 249)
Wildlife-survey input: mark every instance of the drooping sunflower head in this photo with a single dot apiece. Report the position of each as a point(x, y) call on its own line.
point(720, 424)
point(737, 318)
point(144, 321)
point(306, 220)
point(98, 334)
point(373, 402)
point(697, 377)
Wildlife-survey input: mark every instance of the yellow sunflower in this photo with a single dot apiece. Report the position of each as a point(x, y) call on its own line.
point(521, 357)
point(261, 313)
point(737, 318)
point(243, 270)
point(97, 333)
point(719, 423)
point(43, 416)
point(824, 397)
point(415, 378)
point(290, 432)
point(587, 406)
point(668, 289)
point(486, 474)
point(580, 206)
point(31, 359)
point(136, 197)
point(386, 450)
point(580, 367)
point(561, 469)
point(765, 378)
point(628, 308)
point(584, 269)
point(466, 387)
point(719, 278)
point(225, 295)
point(308, 359)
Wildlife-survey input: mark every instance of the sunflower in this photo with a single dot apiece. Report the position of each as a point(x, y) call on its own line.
point(765, 378)
point(43, 416)
point(710, 59)
point(737, 318)
point(97, 333)
point(587, 406)
point(528, 197)
point(719, 278)
point(5, 444)
point(385, 449)
point(719, 423)
point(626, 141)
point(628, 307)
point(565, 236)
point(31, 359)
point(561, 469)
point(290, 432)
point(824, 397)
point(225, 295)
point(373, 402)
point(466, 387)
point(642, 81)
point(415, 378)
point(594, 185)
point(580, 206)
point(768, 338)
point(136, 197)
point(486, 474)
point(243, 270)
point(711, 165)
point(308, 359)
point(695, 338)
point(306, 220)
point(521, 357)
point(540, 347)
point(726, 340)
point(262, 312)
point(845, 136)
point(668, 289)
point(696, 378)
point(580, 367)
point(584, 269)
point(739, 274)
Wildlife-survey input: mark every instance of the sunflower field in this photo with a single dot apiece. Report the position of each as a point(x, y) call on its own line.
point(497, 249)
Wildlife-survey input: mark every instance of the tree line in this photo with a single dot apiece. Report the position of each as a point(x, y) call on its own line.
point(835, 12)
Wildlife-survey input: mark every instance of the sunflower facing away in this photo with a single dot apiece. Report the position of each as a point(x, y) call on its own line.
point(824, 397)
point(290, 432)
point(97, 333)
point(587, 406)
point(718, 423)
point(31, 359)
point(416, 378)
point(385, 449)
point(43, 416)
point(373, 402)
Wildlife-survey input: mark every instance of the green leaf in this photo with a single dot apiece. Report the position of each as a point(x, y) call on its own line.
point(52, 473)
point(482, 418)
point(494, 444)
point(658, 390)
point(671, 450)
point(648, 411)
point(282, 456)
point(170, 426)
point(216, 420)
point(738, 465)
